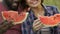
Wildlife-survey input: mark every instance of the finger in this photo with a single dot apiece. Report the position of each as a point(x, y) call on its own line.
point(36, 20)
point(35, 24)
point(37, 27)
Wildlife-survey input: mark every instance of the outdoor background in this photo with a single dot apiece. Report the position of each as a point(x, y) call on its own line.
point(51, 2)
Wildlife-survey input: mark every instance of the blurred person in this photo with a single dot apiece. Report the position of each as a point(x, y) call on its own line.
point(32, 24)
point(7, 5)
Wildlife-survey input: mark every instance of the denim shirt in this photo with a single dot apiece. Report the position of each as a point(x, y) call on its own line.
point(27, 25)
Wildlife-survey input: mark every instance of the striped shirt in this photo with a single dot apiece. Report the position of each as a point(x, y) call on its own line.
point(27, 25)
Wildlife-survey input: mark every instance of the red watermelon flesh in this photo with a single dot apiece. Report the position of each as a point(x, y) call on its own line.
point(48, 21)
point(9, 15)
point(57, 17)
point(6, 15)
point(20, 16)
point(53, 21)
point(13, 15)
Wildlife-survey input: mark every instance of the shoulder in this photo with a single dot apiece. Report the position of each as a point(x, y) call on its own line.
point(52, 8)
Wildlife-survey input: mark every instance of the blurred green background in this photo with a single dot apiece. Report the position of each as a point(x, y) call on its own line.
point(53, 3)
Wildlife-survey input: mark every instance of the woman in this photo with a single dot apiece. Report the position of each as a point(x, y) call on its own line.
point(37, 8)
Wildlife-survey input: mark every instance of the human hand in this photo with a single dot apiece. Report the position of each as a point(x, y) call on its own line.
point(37, 25)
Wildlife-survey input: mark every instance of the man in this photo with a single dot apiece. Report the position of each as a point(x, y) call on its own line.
point(7, 5)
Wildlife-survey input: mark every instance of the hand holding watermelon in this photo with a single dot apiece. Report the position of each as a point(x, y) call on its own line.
point(37, 24)
point(14, 16)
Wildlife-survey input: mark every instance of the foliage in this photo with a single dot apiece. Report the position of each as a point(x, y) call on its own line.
point(52, 3)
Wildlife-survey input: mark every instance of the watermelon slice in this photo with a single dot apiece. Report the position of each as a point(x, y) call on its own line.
point(49, 21)
point(14, 16)
point(57, 17)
